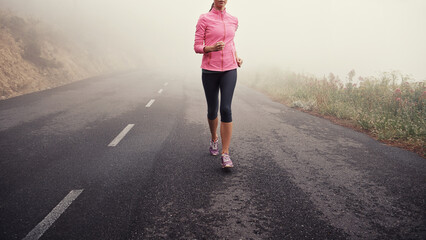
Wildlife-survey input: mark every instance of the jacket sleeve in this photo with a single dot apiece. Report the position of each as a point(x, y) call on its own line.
point(236, 28)
point(200, 35)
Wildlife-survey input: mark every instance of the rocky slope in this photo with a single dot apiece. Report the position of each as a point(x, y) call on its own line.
point(34, 57)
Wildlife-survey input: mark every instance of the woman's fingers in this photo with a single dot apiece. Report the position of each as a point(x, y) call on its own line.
point(219, 46)
point(239, 62)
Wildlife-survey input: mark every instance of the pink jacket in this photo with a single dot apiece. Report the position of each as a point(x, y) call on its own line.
point(213, 27)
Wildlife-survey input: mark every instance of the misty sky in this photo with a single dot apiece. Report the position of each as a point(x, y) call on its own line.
point(311, 36)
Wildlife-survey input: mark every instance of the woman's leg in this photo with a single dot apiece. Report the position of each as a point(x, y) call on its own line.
point(226, 134)
point(211, 90)
point(213, 128)
point(227, 86)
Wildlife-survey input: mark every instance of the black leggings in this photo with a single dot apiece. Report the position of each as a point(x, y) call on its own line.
point(212, 82)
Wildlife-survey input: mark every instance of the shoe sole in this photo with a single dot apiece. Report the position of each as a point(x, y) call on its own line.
point(227, 166)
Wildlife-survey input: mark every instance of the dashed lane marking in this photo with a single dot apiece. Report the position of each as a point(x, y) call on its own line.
point(39, 230)
point(121, 135)
point(165, 84)
point(150, 103)
point(160, 91)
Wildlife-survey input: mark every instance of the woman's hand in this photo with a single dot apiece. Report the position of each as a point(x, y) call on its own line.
point(239, 61)
point(219, 46)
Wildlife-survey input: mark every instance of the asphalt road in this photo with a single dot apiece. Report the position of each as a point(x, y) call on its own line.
point(296, 176)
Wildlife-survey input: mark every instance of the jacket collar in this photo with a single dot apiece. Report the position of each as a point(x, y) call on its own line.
point(215, 11)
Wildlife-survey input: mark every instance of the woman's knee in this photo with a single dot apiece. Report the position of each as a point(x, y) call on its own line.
point(226, 114)
point(212, 115)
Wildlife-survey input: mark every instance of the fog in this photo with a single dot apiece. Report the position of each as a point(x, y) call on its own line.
point(306, 36)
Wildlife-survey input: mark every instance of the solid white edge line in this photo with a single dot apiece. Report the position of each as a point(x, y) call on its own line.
point(150, 103)
point(121, 135)
point(160, 91)
point(39, 230)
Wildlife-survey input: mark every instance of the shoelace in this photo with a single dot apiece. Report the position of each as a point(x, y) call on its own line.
point(214, 144)
point(226, 157)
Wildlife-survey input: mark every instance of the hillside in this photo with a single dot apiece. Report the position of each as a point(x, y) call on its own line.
point(34, 56)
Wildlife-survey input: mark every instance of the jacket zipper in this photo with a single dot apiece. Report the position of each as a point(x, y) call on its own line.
point(224, 35)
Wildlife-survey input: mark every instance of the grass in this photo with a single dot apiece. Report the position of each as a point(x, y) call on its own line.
point(390, 107)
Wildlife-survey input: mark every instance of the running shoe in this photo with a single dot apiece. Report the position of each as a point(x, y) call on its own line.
point(226, 161)
point(214, 149)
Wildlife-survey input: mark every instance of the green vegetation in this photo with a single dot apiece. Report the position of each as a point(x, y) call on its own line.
point(391, 107)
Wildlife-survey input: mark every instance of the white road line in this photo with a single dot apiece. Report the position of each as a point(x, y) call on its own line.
point(39, 230)
point(160, 91)
point(150, 103)
point(121, 135)
point(165, 84)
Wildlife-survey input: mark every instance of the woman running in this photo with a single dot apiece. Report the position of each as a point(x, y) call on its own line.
point(214, 38)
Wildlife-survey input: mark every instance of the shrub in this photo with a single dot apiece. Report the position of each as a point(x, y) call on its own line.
point(391, 106)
